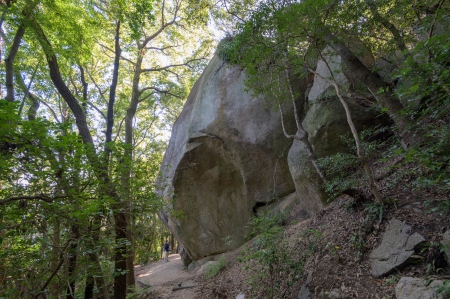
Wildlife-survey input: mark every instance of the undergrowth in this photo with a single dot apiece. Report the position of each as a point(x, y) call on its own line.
point(215, 268)
point(273, 262)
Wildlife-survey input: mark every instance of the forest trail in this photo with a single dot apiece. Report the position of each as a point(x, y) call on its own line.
point(162, 276)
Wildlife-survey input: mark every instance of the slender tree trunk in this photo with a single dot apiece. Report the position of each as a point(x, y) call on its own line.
point(56, 254)
point(301, 134)
point(130, 252)
point(388, 25)
point(9, 63)
point(90, 268)
point(2, 264)
point(95, 275)
point(100, 281)
point(127, 168)
point(34, 105)
point(113, 87)
point(72, 261)
point(359, 152)
point(120, 261)
point(172, 242)
point(361, 75)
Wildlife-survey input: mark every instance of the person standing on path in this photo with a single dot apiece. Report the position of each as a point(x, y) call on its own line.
point(166, 252)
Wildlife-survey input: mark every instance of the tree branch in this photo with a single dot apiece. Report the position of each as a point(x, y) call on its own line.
point(158, 69)
point(43, 197)
point(62, 88)
point(112, 89)
point(163, 24)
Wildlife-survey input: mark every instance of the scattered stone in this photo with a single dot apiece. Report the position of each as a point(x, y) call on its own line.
point(446, 244)
point(240, 296)
point(395, 249)
point(304, 290)
point(183, 285)
point(143, 284)
point(416, 210)
point(417, 288)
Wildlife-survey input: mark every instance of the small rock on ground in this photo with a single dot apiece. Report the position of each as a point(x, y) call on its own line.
point(395, 249)
point(416, 288)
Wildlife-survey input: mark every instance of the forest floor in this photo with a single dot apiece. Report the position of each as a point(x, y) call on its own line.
point(339, 264)
point(159, 277)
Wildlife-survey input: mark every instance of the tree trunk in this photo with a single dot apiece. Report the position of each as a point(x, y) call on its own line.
point(172, 242)
point(9, 60)
point(56, 254)
point(301, 135)
point(95, 274)
point(388, 25)
point(130, 252)
point(361, 75)
point(73, 248)
point(9, 63)
point(359, 152)
point(127, 162)
point(120, 261)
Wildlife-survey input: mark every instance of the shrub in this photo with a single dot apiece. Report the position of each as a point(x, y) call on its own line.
point(273, 262)
point(215, 268)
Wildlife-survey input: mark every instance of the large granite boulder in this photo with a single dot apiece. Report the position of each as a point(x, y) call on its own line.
point(227, 156)
point(321, 88)
point(326, 124)
point(331, 61)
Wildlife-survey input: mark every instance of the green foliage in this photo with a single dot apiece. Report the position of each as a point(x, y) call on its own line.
point(337, 169)
point(438, 206)
point(59, 197)
point(444, 290)
point(138, 293)
point(343, 170)
point(374, 212)
point(392, 279)
point(272, 261)
point(215, 268)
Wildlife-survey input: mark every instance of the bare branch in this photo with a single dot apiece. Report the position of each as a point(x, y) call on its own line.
point(118, 130)
point(43, 197)
point(51, 110)
point(158, 69)
point(164, 25)
point(121, 57)
point(282, 124)
point(96, 109)
point(96, 86)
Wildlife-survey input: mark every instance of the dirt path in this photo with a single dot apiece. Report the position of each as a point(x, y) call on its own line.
point(162, 276)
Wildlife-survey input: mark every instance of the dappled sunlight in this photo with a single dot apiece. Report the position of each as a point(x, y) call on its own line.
point(155, 272)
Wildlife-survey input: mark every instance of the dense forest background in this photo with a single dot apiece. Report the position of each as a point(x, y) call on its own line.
point(90, 90)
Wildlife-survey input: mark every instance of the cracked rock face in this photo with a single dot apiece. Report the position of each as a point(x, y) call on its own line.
point(227, 156)
point(395, 249)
